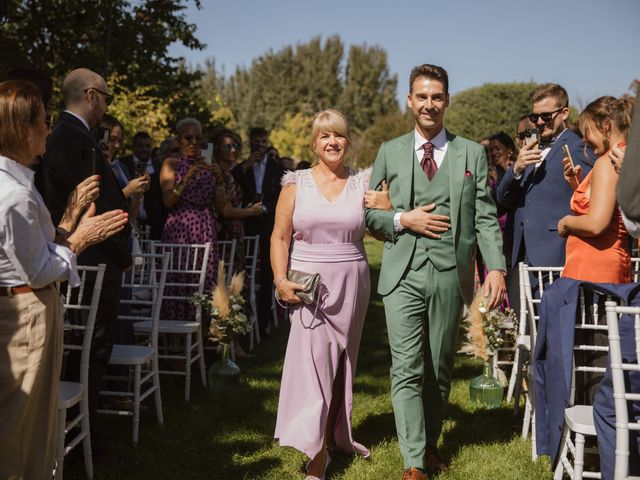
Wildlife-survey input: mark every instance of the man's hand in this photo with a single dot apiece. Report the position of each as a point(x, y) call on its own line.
point(529, 155)
point(421, 221)
point(494, 288)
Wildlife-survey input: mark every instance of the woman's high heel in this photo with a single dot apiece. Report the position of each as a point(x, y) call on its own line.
point(313, 477)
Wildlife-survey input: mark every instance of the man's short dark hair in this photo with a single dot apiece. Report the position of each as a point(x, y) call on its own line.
point(432, 72)
point(140, 135)
point(258, 132)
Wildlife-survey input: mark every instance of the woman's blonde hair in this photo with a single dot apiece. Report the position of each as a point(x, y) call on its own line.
point(330, 121)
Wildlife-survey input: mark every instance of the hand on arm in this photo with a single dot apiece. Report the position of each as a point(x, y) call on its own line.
point(616, 156)
point(280, 239)
point(378, 200)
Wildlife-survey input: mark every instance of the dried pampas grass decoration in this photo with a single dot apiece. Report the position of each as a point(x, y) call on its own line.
point(237, 284)
point(220, 297)
point(476, 344)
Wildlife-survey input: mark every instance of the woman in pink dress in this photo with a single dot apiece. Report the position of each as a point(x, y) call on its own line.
point(320, 215)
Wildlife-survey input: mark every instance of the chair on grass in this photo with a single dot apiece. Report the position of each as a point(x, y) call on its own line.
point(185, 277)
point(525, 343)
point(226, 253)
point(251, 244)
point(73, 393)
point(578, 419)
point(151, 274)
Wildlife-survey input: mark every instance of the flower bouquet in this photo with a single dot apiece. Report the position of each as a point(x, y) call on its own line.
point(487, 331)
point(228, 322)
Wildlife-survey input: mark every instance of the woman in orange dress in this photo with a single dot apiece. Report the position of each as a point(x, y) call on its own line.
point(597, 243)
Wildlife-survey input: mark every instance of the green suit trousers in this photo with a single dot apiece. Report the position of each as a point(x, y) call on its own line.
point(423, 314)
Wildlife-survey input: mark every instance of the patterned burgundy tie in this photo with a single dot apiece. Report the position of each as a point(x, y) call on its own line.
point(427, 163)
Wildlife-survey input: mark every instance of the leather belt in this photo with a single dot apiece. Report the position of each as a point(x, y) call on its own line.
point(11, 291)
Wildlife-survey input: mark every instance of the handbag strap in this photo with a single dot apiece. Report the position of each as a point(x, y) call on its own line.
point(315, 312)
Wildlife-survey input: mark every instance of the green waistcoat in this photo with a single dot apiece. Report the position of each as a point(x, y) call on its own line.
point(441, 251)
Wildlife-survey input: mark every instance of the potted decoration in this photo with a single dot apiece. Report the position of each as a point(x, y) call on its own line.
point(487, 330)
point(228, 322)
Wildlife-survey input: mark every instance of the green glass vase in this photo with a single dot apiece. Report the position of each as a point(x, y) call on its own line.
point(224, 372)
point(485, 390)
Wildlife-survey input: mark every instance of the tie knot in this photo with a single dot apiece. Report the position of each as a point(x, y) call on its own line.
point(427, 147)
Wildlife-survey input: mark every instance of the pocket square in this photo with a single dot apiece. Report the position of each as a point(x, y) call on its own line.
point(467, 173)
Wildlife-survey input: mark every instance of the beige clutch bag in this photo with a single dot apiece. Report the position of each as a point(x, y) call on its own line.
point(311, 282)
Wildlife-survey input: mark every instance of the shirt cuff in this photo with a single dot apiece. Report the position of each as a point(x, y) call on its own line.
point(69, 257)
point(517, 176)
point(397, 226)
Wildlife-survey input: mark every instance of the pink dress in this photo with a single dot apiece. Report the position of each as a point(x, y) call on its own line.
point(327, 239)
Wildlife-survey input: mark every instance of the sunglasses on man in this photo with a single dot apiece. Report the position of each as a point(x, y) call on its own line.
point(108, 98)
point(545, 116)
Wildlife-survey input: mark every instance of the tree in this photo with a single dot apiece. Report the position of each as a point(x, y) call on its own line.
point(383, 128)
point(493, 107)
point(293, 137)
point(370, 90)
point(107, 36)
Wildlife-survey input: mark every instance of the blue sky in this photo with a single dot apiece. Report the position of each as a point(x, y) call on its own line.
point(590, 47)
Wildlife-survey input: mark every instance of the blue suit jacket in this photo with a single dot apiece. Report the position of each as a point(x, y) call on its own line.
point(540, 199)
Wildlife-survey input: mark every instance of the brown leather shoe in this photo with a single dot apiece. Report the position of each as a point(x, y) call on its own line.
point(433, 462)
point(414, 474)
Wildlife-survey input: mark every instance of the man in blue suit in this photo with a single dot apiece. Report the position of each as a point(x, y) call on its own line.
point(535, 187)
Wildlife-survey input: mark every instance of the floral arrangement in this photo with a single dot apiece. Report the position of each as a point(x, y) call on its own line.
point(226, 306)
point(486, 330)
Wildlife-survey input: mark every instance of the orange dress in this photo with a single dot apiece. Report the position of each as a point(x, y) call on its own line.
point(601, 259)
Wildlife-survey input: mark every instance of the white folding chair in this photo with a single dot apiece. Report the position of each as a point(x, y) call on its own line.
point(151, 273)
point(578, 419)
point(528, 326)
point(226, 253)
point(620, 395)
point(251, 244)
point(72, 393)
point(185, 277)
point(635, 269)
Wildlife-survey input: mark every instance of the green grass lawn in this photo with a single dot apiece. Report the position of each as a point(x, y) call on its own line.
point(229, 435)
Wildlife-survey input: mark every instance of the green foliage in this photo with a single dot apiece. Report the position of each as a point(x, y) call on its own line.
point(107, 36)
point(480, 111)
point(370, 90)
point(292, 137)
point(383, 128)
point(139, 110)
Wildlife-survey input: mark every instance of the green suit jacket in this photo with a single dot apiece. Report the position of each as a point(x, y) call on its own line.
point(473, 213)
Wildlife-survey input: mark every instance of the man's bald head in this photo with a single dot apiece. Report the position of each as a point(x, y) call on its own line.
point(76, 82)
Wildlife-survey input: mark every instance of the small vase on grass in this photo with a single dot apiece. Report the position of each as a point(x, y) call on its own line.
point(486, 332)
point(224, 371)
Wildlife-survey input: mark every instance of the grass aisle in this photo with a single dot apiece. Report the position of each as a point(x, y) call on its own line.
point(229, 435)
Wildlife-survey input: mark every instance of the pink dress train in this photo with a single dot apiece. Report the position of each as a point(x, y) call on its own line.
point(327, 239)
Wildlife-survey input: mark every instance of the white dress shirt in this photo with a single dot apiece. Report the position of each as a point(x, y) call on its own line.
point(439, 151)
point(258, 173)
point(28, 254)
point(543, 154)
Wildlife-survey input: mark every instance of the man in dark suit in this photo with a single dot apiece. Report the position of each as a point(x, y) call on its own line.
point(72, 155)
point(259, 177)
point(535, 186)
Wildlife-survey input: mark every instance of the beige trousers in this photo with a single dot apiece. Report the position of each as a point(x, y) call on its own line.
point(30, 362)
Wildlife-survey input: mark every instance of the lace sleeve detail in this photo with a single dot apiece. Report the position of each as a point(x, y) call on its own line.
point(289, 178)
point(366, 176)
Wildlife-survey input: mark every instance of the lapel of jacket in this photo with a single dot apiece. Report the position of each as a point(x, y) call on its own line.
point(457, 168)
point(405, 159)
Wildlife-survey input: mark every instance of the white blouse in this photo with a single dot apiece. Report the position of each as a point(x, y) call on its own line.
point(28, 254)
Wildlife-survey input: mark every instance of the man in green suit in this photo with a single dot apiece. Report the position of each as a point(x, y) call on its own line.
point(442, 209)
